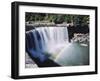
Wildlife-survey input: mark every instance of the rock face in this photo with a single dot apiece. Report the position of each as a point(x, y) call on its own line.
point(77, 29)
point(81, 38)
point(29, 63)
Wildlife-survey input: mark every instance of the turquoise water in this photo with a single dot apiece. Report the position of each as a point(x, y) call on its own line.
point(73, 54)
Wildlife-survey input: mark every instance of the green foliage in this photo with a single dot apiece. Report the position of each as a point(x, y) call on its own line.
point(68, 18)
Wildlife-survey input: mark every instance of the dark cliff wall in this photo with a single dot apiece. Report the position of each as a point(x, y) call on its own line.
point(77, 29)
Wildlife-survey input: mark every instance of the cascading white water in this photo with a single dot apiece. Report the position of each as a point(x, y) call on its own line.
point(53, 39)
point(52, 43)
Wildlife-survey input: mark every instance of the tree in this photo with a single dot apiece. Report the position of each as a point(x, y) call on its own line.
point(58, 18)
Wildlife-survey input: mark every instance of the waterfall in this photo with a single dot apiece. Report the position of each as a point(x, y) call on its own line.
point(49, 39)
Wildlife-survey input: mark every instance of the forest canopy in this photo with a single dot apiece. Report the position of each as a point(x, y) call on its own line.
point(57, 18)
